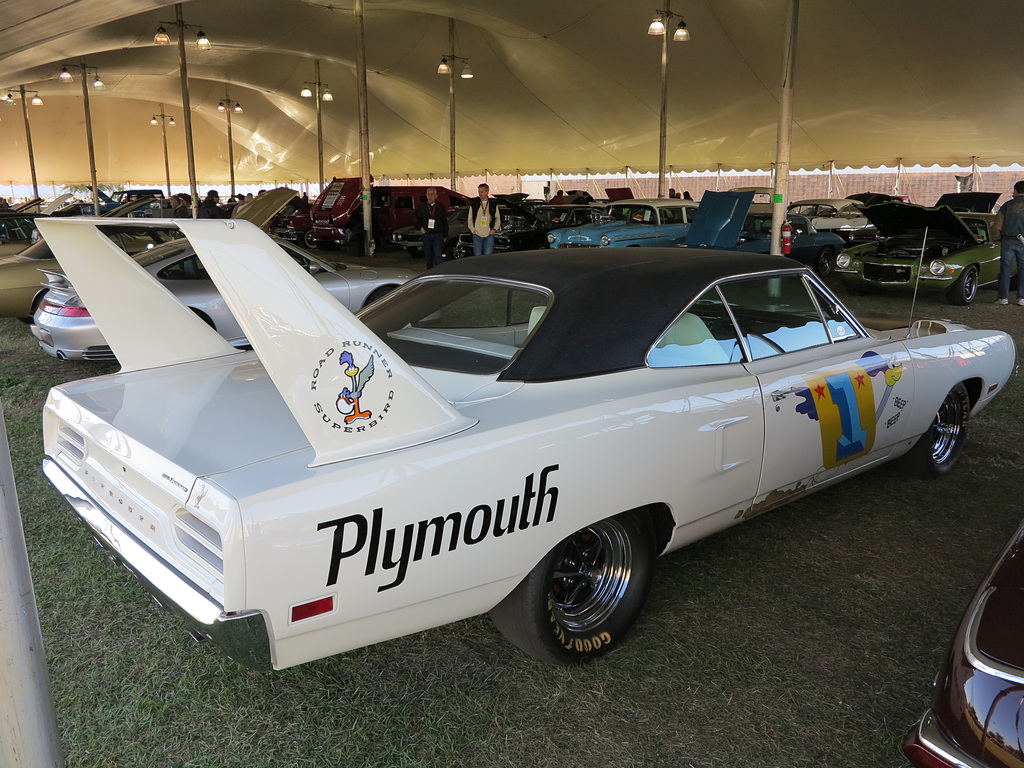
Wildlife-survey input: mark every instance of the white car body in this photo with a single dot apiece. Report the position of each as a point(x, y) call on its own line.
point(230, 483)
point(838, 215)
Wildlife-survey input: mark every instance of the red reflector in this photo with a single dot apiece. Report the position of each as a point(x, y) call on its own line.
point(315, 608)
point(62, 311)
point(920, 757)
point(993, 387)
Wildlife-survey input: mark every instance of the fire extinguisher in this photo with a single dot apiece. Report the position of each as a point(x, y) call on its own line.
point(787, 238)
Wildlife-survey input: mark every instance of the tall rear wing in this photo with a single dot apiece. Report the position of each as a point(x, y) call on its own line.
point(350, 394)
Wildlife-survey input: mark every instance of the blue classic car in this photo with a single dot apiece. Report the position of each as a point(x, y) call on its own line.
point(655, 222)
point(817, 250)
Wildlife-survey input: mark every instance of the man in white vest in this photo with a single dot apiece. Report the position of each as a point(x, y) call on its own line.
point(483, 221)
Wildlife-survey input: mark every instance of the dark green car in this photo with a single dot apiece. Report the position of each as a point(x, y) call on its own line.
point(938, 249)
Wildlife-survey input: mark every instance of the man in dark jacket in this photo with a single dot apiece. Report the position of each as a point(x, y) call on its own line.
point(1009, 224)
point(210, 207)
point(483, 221)
point(432, 220)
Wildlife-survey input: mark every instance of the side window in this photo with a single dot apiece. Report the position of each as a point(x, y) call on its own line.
point(839, 325)
point(672, 216)
point(775, 315)
point(404, 202)
point(703, 335)
point(186, 269)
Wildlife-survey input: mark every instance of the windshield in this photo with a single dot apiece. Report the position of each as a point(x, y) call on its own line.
point(458, 324)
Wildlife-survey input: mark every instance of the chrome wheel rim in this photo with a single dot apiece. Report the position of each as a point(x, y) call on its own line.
point(948, 426)
point(591, 575)
point(970, 286)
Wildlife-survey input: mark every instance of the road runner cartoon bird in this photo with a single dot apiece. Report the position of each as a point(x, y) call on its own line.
point(348, 400)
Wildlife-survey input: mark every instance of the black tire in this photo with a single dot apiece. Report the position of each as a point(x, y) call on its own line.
point(461, 250)
point(450, 246)
point(308, 240)
point(940, 447)
point(580, 601)
point(825, 261)
point(965, 288)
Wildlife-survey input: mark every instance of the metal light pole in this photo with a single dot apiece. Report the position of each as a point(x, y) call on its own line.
point(449, 63)
point(227, 106)
point(65, 76)
point(321, 92)
point(785, 133)
point(163, 130)
point(186, 109)
point(28, 143)
point(660, 26)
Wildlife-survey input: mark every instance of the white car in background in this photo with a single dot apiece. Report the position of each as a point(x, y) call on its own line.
point(839, 216)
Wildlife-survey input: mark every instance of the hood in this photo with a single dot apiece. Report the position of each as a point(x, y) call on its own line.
point(972, 202)
point(898, 218)
point(618, 193)
point(262, 208)
point(719, 219)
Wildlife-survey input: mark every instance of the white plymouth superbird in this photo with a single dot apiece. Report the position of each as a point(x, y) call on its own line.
point(520, 434)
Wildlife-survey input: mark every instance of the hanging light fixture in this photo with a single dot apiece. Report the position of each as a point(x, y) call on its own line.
point(36, 101)
point(657, 27)
point(467, 73)
point(306, 93)
point(161, 37)
point(171, 122)
point(64, 76)
point(98, 84)
point(153, 121)
point(682, 34)
point(238, 107)
point(221, 107)
point(203, 42)
point(9, 99)
point(444, 68)
point(327, 94)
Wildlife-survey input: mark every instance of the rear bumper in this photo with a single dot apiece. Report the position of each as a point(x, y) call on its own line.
point(243, 636)
point(926, 736)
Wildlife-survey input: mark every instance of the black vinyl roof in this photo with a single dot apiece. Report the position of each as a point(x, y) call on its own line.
point(610, 304)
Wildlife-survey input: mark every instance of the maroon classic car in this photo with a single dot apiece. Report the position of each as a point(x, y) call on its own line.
point(977, 715)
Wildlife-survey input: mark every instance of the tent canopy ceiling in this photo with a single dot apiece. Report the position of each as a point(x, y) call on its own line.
point(557, 86)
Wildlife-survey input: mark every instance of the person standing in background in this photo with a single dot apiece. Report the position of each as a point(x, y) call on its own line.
point(432, 220)
point(483, 221)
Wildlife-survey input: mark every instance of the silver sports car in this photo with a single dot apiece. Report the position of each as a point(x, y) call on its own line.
point(66, 330)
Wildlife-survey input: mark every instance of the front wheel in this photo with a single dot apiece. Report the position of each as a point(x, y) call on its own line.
point(965, 288)
point(308, 240)
point(939, 448)
point(581, 599)
point(825, 261)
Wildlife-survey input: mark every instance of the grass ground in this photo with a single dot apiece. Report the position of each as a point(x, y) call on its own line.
point(805, 637)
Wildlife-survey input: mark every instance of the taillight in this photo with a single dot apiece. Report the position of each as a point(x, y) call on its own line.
point(63, 311)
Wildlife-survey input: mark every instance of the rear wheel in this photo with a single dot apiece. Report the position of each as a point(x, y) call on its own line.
point(825, 261)
point(582, 598)
point(308, 240)
point(965, 288)
point(939, 448)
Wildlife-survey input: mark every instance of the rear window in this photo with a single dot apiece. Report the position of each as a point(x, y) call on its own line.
point(463, 325)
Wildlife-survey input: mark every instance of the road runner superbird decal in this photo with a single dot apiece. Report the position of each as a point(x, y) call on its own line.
point(352, 380)
point(355, 533)
point(843, 403)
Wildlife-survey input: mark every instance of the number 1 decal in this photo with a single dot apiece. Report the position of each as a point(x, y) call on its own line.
point(843, 403)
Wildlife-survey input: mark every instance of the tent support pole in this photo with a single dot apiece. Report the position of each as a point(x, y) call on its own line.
point(186, 108)
point(779, 198)
point(364, 128)
point(28, 143)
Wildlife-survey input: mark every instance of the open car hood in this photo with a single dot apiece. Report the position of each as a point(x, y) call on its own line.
point(898, 218)
point(262, 208)
point(719, 218)
point(972, 202)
